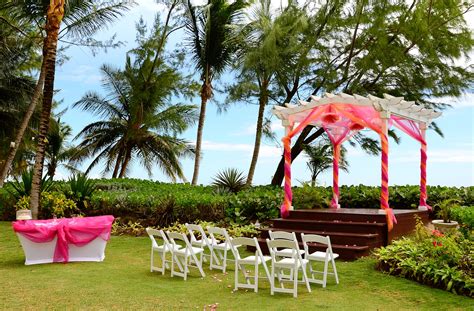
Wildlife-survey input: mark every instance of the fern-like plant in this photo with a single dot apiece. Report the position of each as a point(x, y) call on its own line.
point(230, 179)
point(81, 189)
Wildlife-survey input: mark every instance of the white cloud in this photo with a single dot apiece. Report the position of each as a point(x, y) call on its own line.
point(463, 101)
point(250, 129)
point(83, 73)
point(440, 156)
point(247, 149)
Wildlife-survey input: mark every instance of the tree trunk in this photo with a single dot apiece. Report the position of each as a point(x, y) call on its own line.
point(23, 125)
point(263, 100)
point(126, 160)
point(303, 139)
point(117, 165)
point(206, 92)
point(54, 17)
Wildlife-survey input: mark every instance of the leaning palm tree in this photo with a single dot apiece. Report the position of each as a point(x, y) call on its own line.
point(138, 119)
point(320, 159)
point(79, 18)
point(211, 38)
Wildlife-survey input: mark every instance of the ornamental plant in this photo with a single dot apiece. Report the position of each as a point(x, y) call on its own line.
point(445, 209)
point(429, 257)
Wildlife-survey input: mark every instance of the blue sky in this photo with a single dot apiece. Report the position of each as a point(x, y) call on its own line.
point(228, 137)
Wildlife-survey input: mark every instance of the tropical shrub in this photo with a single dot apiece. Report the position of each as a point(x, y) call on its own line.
point(53, 204)
point(230, 180)
point(80, 190)
point(137, 229)
point(442, 261)
point(464, 215)
point(21, 188)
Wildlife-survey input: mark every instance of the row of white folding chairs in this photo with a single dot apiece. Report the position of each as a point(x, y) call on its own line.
point(286, 255)
point(284, 251)
point(218, 243)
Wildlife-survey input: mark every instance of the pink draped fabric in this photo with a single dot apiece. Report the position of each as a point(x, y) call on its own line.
point(413, 130)
point(76, 231)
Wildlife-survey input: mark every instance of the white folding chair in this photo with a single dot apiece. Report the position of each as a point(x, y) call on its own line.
point(283, 235)
point(289, 236)
point(219, 245)
point(184, 257)
point(160, 249)
point(318, 256)
point(202, 242)
point(287, 261)
point(254, 260)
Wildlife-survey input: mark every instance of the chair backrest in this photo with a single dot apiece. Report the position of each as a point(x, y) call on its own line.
point(241, 241)
point(174, 236)
point(192, 228)
point(152, 233)
point(274, 245)
point(216, 231)
point(314, 238)
point(282, 235)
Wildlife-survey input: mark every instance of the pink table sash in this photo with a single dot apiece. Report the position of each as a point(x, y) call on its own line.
point(77, 231)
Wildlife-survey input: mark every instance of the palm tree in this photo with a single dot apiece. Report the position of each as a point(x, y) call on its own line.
point(266, 54)
point(139, 121)
point(81, 18)
point(58, 152)
point(211, 39)
point(19, 54)
point(320, 159)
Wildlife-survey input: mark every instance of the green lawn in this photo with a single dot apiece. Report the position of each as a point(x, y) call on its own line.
point(123, 281)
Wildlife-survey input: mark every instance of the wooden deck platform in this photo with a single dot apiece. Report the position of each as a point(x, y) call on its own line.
point(354, 232)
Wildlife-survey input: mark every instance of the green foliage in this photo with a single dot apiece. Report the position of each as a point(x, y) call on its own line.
point(464, 215)
point(81, 189)
point(53, 204)
point(137, 229)
point(229, 180)
point(22, 188)
point(258, 203)
point(138, 119)
point(23, 203)
point(443, 261)
point(445, 209)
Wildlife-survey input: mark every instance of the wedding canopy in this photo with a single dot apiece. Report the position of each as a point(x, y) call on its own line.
point(342, 116)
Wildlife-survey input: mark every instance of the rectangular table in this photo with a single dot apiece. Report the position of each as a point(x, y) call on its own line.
point(65, 239)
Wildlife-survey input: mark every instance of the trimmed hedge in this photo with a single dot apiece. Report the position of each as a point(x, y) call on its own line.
point(161, 204)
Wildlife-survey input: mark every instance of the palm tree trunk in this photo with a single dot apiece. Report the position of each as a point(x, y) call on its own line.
point(206, 92)
point(126, 160)
point(54, 17)
point(117, 165)
point(263, 100)
point(24, 124)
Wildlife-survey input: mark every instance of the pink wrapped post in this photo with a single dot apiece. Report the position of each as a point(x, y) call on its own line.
point(64, 240)
point(335, 175)
point(384, 188)
point(423, 160)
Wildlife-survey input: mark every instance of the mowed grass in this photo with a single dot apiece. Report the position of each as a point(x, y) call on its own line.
point(123, 281)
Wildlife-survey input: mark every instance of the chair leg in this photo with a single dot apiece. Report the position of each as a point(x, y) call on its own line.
point(172, 264)
point(224, 264)
point(325, 273)
point(236, 275)
point(163, 263)
point(256, 278)
point(185, 268)
point(151, 261)
point(295, 281)
point(335, 271)
point(305, 277)
point(272, 283)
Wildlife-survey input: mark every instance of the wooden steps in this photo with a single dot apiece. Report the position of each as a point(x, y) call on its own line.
point(353, 232)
